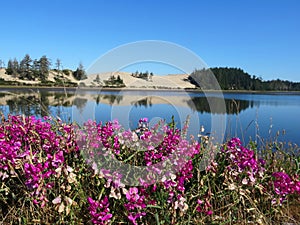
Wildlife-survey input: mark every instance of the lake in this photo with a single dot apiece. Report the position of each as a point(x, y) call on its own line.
point(250, 116)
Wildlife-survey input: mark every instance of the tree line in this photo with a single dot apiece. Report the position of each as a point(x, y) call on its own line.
point(228, 78)
point(38, 69)
point(238, 79)
point(114, 82)
point(143, 75)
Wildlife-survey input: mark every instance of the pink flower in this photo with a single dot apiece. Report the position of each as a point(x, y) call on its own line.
point(134, 216)
point(99, 210)
point(204, 208)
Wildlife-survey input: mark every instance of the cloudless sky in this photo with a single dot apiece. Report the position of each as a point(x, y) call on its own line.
point(260, 36)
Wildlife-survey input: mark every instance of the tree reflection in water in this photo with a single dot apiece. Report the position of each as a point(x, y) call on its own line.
point(40, 103)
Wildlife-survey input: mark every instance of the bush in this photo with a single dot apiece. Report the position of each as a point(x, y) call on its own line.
point(66, 72)
point(5, 82)
point(54, 172)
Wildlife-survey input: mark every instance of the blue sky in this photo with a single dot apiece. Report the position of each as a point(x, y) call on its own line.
point(260, 36)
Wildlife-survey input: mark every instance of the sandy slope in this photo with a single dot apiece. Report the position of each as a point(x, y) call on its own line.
point(51, 76)
point(12, 78)
point(172, 81)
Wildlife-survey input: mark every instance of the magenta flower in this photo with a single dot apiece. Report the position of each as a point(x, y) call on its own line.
point(243, 162)
point(204, 207)
point(134, 216)
point(135, 201)
point(143, 120)
point(284, 185)
point(99, 211)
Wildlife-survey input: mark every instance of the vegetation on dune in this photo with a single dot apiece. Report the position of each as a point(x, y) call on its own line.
point(113, 82)
point(28, 69)
point(228, 78)
point(38, 70)
point(57, 173)
point(146, 75)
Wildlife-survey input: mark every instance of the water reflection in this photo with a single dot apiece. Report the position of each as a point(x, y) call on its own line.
point(233, 106)
point(111, 98)
point(39, 102)
point(248, 115)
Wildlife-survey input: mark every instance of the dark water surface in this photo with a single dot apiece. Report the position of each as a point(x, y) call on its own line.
point(249, 116)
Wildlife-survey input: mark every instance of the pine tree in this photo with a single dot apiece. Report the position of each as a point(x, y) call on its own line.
point(79, 74)
point(16, 67)
point(36, 68)
point(25, 68)
point(58, 66)
point(44, 68)
point(2, 65)
point(9, 69)
point(97, 79)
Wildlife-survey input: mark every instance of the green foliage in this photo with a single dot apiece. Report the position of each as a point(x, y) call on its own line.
point(44, 68)
point(114, 82)
point(2, 64)
point(12, 67)
point(79, 73)
point(143, 75)
point(237, 79)
point(4, 82)
point(9, 69)
point(25, 69)
point(97, 79)
point(66, 72)
point(29, 69)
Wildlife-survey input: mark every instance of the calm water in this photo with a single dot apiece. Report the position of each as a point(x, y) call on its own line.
point(248, 116)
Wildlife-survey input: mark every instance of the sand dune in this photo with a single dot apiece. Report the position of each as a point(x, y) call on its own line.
point(171, 81)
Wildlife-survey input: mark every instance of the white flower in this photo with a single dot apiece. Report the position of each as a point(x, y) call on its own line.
point(3, 175)
point(124, 190)
point(95, 168)
point(68, 188)
point(70, 201)
point(68, 209)
point(202, 129)
point(252, 178)
point(181, 205)
point(115, 193)
point(57, 200)
point(69, 169)
point(134, 137)
point(173, 176)
point(231, 187)
point(58, 172)
point(72, 178)
point(245, 181)
point(61, 208)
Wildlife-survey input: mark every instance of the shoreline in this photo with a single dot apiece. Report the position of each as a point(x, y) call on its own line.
point(46, 88)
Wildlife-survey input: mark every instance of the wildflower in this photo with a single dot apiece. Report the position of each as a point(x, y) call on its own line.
point(61, 207)
point(134, 216)
point(243, 163)
point(181, 204)
point(204, 208)
point(115, 193)
point(135, 201)
point(283, 184)
point(57, 200)
point(99, 211)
